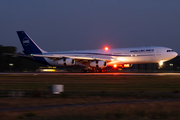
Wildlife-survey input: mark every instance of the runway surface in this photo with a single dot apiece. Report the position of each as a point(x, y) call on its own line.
point(157, 74)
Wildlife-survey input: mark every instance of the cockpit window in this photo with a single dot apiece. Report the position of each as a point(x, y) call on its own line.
point(170, 50)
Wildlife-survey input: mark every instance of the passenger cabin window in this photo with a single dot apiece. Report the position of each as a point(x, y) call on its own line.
point(170, 50)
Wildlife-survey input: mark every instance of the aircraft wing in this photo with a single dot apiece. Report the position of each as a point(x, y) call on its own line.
point(77, 57)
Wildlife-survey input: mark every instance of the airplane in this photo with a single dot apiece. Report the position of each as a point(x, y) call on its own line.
point(96, 60)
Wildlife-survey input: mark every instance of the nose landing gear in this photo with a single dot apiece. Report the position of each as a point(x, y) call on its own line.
point(160, 64)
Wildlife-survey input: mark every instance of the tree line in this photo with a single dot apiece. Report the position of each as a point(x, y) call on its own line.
point(9, 63)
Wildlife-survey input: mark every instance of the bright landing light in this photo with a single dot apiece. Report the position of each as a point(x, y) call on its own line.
point(49, 70)
point(114, 65)
point(161, 63)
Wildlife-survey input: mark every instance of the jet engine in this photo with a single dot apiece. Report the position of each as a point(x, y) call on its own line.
point(66, 61)
point(98, 64)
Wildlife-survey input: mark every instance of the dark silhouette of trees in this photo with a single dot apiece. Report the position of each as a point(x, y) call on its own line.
point(10, 63)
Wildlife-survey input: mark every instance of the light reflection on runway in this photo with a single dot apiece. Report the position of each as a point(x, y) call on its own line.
point(158, 74)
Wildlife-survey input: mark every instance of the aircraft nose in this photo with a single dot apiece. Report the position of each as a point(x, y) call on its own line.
point(175, 54)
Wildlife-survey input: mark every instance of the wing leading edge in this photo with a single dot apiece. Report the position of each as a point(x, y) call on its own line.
point(78, 57)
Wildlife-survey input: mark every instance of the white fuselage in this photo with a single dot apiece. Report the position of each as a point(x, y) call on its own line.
point(137, 55)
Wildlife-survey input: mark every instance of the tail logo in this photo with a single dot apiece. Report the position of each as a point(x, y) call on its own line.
point(25, 41)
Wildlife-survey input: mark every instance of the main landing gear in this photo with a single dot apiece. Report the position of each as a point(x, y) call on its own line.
point(94, 70)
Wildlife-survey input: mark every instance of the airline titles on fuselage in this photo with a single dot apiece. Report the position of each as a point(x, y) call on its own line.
point(143, 51)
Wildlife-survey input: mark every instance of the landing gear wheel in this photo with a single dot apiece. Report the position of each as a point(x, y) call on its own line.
point(98, 70)
point(83, 71)
point(89, 71)
point(104, 70)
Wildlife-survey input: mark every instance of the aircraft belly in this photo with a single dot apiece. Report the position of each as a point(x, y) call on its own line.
point(51, 62)
point(137, 60)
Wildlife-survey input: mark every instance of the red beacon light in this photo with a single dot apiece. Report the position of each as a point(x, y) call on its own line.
point(106, 48)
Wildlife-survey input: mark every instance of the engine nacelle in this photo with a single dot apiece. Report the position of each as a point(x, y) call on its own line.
point(98, 64)
point(66, 61)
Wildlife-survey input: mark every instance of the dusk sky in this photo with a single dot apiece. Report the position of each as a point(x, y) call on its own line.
point(65, 25)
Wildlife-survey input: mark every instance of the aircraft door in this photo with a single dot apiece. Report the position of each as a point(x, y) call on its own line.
point(158, 52)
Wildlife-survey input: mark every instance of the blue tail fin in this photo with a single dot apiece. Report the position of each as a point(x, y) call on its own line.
point(30, 47)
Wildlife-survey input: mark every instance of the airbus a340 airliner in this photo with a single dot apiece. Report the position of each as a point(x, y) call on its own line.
point(96, 60)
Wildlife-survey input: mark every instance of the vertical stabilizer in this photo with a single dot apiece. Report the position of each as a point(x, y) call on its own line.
point(30, 47)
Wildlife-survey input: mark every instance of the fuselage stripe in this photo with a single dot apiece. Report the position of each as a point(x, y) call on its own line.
point(129, 55)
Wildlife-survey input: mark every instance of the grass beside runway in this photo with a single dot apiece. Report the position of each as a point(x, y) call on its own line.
point(92, 83)
point(137, 111)
point(93, 89)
